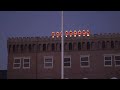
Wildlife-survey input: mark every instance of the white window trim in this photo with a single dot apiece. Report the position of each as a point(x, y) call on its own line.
point(107, 55)
point(29, 62)
point(70, 61)
point(85, 61)
point(46, 57)
point(17, 63)
point(116, 60)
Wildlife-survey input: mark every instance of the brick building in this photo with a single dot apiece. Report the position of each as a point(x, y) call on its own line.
point(93, 57)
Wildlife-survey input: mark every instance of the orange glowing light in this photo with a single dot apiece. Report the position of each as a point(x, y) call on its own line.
point(84, 32)
point(79, 33)
point(70, 33)
point(88, 33)
point(53, 34)
point(57, 34)
point(75, 33)
point(66, 33)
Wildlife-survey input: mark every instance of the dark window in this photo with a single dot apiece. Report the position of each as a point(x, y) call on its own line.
point(29, 47)
point(99, 45)
point(39, 47)
point(103, 44)
point(17, 48)
point(79, 46)
point(57, 48)
point(13, 48)
point(53, 47)
point(33, 47)
point(70, 46)
point(60, 46)
point(116, 44)
point(21, 48)
point(88, 45)
point(48, 47)
point(25, 48)
point(44, 47)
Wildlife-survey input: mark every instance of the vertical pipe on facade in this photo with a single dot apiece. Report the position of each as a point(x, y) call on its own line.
point(62, 52)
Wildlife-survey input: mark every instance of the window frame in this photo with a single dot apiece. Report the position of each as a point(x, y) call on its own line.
point(47, 57)
point(26, 63)
point(85, 61)
point(17, 63)
point(107, 55)
point(70, 61)
point(116, 60)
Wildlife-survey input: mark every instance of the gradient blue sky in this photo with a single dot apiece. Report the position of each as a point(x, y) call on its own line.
point(42, 23)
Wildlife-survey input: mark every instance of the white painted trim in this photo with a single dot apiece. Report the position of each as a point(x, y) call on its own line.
point(116, 60)
point(107, 55)
point(85, 61)
point(17, 63)
point(26, 63)
point(68, 56)
point(47, 57)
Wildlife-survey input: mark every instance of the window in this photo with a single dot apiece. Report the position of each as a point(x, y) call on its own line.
point(116, 44)
point(93, 45)
point(21, 48)
point(44, 47)
point(17, 48)
point(88, 45)
point(60, 46)
point(48, 62)
point(53, 47)
point(34, 47)
point(29, 47)
point(117, 60)
point(48, 47)
point(70, 46)
point(79, 46)
point(57, 47)
point(99, 45)
point(17, 63)
point(108, 44)
point(84, 61)
point(103, 44)
point(67, 61)
point(107, 60)
point(112, 44)
point(39, 47)
point(13, 48)
point(65, 46)
point(25, 48)
point(26, 63)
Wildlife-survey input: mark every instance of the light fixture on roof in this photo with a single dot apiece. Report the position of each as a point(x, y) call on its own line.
point(79, 33)
point(88, 33)
point(66, 33)
point(70, 33)
point(53, 34)
point(57, 34)
point(75, 33)
point(83, 32)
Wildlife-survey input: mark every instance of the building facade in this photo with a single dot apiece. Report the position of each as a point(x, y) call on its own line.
point(93, 57)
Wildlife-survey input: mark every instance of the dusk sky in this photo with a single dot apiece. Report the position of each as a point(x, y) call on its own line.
point(42, 23)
